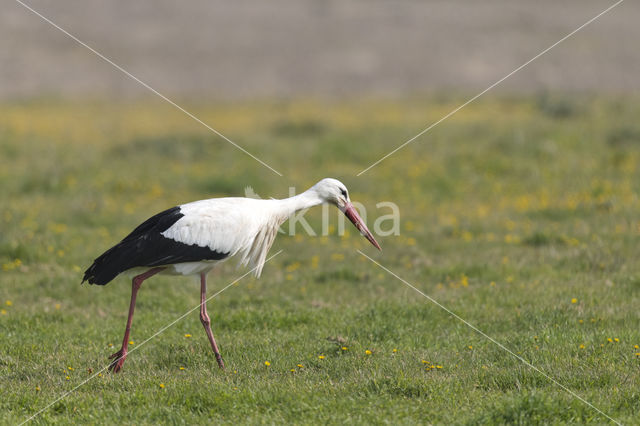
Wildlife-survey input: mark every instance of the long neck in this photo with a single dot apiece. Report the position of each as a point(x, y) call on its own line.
point(288, 206)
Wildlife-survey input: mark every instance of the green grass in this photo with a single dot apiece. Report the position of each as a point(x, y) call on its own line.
point(510, 209)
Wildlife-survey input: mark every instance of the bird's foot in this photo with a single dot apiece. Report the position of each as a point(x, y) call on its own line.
point(118, 360)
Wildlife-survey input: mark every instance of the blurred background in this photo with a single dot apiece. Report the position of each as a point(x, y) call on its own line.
point(221, 50)
point(519, 212)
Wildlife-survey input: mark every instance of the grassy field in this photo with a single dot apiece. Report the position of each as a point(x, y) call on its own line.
point(518, 214)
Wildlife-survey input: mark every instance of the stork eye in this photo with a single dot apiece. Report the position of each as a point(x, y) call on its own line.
point(343, 192)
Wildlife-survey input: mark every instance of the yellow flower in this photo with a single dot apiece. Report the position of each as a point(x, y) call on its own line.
point(395, 350)
point(320, 356)
point(438, 366)
point(470, 347)
point(68, 378)
point(267, 363)
point(492, 283)
point(636, 347)
point(37, 388)
point(609, 339)
point(161, 385)
point(464, 281)
point(581, 346)
point(367, 352)
point(637, 353)
point(294, 266)
point(70, 368)
point(131, 342)
point(615, 339)
point(314, 262)
point(181, 368)
point(580, 321)
point(300, 366)
point(337, 256)
point(293, 370)
point(187, 335)
point(8, 303)
point(574, 300)
point(3, 312)
point(425, 362)
point(99, 374)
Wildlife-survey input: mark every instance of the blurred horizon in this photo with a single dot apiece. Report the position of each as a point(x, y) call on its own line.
point(221, 51)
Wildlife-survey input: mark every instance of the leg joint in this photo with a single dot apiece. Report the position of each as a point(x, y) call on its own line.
point(204, 319)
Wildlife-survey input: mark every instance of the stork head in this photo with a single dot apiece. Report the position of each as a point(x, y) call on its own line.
point(334, 192)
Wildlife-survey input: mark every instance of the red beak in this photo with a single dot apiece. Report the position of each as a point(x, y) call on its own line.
point(355, 218)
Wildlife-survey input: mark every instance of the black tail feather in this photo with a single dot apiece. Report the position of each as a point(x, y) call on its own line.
point(107, 266)
point(146, 246)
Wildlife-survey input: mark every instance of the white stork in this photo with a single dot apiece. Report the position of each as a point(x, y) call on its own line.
point(190, 239)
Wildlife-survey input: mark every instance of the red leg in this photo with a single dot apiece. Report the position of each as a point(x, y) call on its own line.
point(121, 355)
point(206, 321)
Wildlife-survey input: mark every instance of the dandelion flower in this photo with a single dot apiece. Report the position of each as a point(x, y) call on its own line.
point(131, 342)
point(8, 303)
point(3, 312)
point(425, 362)
point(367, 352)
point(574, 300)
point(181, 368)
point(344, 348)
point(68, 378)
point(470, 347)
point(37, 388)
point(161, 385)
point(615, 339)
point(637, 353)
point(99, 374)
point(609, 339)
point(636, 347)
point(581, 321)
point(187, 335)
point(438, 366)
point(300, 366)
point(581, 346)
point(70, 368)
point(395, 350)
point(320, 356)
point(293, 370)
point(267, 363)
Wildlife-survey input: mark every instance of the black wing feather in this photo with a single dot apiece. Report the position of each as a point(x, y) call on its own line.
point(145, 246)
